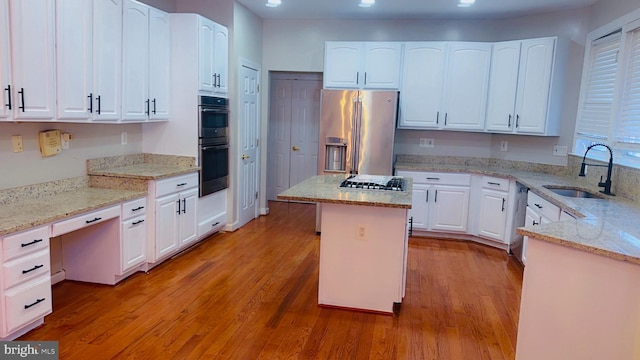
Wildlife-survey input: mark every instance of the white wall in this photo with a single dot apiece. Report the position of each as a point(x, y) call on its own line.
point(605, 11)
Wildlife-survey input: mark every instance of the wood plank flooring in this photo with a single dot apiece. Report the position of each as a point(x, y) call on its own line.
point(252, 294)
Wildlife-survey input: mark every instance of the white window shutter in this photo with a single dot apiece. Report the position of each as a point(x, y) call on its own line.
point(628, 129)
point(597, 105)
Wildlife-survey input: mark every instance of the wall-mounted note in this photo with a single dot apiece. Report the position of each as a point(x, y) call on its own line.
point(50, 143)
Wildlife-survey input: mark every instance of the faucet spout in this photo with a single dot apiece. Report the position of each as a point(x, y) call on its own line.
point(606, 185)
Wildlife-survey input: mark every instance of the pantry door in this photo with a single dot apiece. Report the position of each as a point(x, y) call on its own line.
point(293, 130)
point(248, 169)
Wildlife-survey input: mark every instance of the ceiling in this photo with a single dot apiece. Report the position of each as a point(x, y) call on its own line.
point(408, 9)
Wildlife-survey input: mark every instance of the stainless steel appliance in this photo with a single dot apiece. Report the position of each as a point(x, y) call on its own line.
point(356, 131)
point(213, 141)
point(374, 182)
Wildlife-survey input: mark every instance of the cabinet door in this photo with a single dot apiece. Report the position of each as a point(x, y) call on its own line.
point(531, 217)
point(221, 60)
point(493, 215)
point(32, 58)
point(466, 85)
point(422, 82)
point(159, 64)
point(135, 61)
point(207, 36)
point(133, 243)
point(188, 221)
point(167, 227)
point(450, 208)
point(74, 62)
point(534, 83)
point(382, 65)
point(505, 61)
point(5, 63)
point(107, 59)
point(419, 211)
point(343, 65)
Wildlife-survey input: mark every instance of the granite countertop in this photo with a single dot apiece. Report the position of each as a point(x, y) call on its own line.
point(607, 226)
point(25, 214)
point(144, 171)
point(324, 189)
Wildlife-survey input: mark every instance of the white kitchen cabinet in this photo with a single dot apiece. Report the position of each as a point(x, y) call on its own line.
point(441, 202)
point(212, 213)
point(32, 59)
point(5, 62)
point(362, 65)
point(141, 97)
point(520, 88)
point(107, 60)
point(174, 215)
point(133, 234)
point(495, 209)
point(213, 55)
point(444, 85)
point(539, 211)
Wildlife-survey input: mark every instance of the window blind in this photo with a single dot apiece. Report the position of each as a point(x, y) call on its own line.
point(596, 111)
point(628, 129)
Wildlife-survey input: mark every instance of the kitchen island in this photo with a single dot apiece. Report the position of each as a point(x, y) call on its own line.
point(363, 245)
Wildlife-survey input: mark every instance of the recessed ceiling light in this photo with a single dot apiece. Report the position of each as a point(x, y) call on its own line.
point(466, 3)
point(366, 3)
point(273, 3)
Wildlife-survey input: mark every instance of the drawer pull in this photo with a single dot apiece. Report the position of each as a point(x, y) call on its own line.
point(138, 208)
point(493, 183)
point(535, 223)
point(31, 243)
point(38, 301)
point(181, 184)
point(94, 220)
point(32, 269)
point(503, 200)
point(137, 222)
point(433, 178)
point(538, 206)
point(215, 224)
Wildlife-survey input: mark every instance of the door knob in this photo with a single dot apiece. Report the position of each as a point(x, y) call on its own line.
point(295, 148)
point(245, 156)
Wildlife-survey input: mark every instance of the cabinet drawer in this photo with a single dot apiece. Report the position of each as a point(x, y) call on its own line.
point(25, 242)
point(174, 184)
point(134, 208)
point(212, 224)
point(26, 268)
point(495, 183)
point(27, 303)
point(84, 220)
point(420, 177)
point(543, 207)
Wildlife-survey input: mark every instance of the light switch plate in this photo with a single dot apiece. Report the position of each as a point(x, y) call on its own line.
point(16, 143)
point(560, 150)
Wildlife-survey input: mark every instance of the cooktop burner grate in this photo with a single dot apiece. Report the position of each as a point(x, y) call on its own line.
point(391, 184)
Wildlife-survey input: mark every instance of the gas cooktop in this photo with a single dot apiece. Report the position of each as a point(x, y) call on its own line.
point(374, 182)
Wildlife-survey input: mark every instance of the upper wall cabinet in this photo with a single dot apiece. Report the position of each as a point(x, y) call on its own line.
point(444, 85)
point(5, 62)
point(520, 88)
point(362, 65)
point(32, 88)
point(145, 55)
point(88, 37)
point(213, 56)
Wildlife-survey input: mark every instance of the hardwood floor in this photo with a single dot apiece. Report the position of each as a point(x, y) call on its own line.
point(252, 294)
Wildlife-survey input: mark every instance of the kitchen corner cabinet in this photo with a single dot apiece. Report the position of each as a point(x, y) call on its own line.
point(32, 59)
point(440, 201)
point(520, 87)
point(145, 55)
point(213, 57)
point(173, 211)
point(444, 85)
point(5, 62)
point(362, 65)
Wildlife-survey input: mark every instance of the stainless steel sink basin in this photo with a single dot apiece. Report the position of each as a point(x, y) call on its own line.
point(573, 192)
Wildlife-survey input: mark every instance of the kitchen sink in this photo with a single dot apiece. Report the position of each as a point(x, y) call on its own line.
point(572, 192)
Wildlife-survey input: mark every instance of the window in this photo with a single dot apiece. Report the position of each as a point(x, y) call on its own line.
point(609, 108)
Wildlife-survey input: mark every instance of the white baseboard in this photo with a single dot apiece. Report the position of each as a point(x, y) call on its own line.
point(58, 277)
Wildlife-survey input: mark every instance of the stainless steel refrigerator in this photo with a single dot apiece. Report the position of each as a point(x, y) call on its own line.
point(357, 129)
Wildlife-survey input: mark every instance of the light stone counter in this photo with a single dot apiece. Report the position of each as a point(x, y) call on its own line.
point(324, 189)
point(607, 226)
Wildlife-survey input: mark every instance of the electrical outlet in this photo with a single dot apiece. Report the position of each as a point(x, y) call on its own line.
point(65, 138)
point(16, 142)
point(560, 150)
point(123, 138)
point(362, 232)
point(430, 143)
point(424, 142)
point(504, 145)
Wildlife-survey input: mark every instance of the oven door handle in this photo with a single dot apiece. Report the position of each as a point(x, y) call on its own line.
point(215, 147)
point(221, 111)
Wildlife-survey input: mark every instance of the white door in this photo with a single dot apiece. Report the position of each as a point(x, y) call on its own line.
point(5, 64)
point(248, 176)
point(419, 212)
point(221, 61)
point(343, 65)
point(167, 226)
point(493, 214)
point(188, 220)
point(133, 242)
point(450, 208)
point(107, 59)
point(382, 65)
point(135, 61)
point(159, 64)
point(207, 33)
point(505, 61)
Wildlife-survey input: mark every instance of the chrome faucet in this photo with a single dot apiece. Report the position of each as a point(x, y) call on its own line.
point(607, 183)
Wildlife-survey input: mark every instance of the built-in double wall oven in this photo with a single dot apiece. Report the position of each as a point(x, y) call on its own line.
point(213, 142)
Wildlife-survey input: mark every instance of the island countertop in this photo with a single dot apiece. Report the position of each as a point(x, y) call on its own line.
point(325, 189)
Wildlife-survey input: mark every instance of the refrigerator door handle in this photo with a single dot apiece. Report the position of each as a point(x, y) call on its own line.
point(355, 129)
